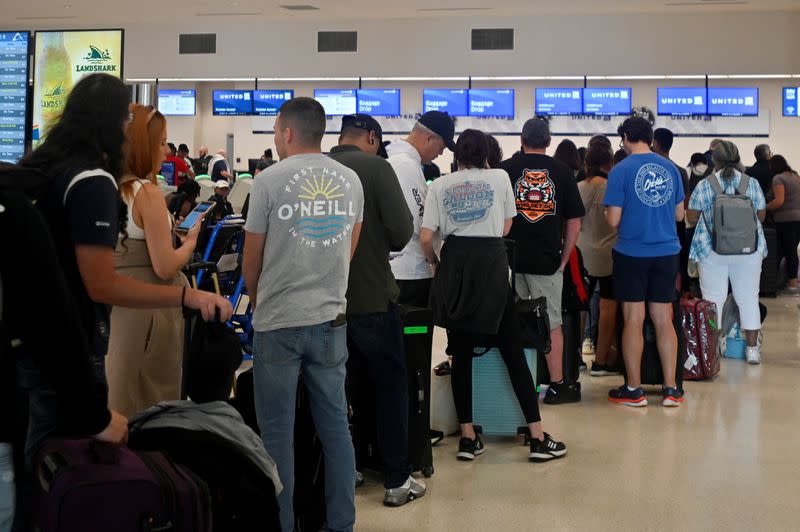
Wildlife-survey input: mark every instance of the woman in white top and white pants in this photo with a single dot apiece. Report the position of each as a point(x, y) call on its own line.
point(145, 353)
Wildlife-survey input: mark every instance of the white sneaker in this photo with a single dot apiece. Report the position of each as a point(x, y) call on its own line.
point(753, 355)
point(588, 347)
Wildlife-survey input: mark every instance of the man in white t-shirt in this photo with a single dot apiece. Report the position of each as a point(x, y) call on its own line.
point(432, 133)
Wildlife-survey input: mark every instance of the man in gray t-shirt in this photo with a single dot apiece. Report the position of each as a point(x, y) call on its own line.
point(302, 230)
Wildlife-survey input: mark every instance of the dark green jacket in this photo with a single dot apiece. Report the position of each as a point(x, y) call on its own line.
point(387, 226)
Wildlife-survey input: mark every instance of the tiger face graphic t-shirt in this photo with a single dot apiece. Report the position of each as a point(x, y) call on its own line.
point(307, 205)
point(647, 187)
point(546, 195)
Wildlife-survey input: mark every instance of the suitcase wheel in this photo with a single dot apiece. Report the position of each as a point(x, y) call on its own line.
point(427, 471)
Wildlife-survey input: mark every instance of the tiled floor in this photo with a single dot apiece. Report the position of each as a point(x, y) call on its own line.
point(727, 460)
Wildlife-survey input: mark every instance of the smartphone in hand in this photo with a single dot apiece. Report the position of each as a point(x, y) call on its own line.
point(193, 217)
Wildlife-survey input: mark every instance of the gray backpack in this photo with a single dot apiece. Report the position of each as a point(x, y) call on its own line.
point(735, 230)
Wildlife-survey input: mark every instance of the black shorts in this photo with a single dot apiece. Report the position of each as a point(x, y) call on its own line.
point(649, 279)
point(606, 286)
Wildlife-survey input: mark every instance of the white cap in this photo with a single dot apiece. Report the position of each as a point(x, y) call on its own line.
point(221, 184)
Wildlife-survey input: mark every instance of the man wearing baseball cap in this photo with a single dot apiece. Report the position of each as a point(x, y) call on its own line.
point(433, 132)
point(223, 207)
point(376, 368)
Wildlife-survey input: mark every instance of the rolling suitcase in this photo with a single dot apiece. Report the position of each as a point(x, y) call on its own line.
point(698, 323)
point(768, 286)
point(91, 486)
point(418, 343)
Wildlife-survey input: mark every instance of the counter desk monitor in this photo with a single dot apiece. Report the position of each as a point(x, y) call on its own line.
point(455, 102)
point(559, 102)
point(733, 101)
point(682, 101)
point(497, 103)
point(607, 101)
point(791, 98)
point(180, 102)
point(337, 102)
point(379, 102)
point(269, 102)
point(232, 102)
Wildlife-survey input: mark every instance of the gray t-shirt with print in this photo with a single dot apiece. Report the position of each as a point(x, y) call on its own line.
point(470, 203)
point(308, 206)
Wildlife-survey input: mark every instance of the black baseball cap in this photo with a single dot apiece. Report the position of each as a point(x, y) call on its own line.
point(440, 123)
point(367, 123)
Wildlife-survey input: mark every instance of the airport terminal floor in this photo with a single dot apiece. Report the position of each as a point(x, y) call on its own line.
point(725, 460)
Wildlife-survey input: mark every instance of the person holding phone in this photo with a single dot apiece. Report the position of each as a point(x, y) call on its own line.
point(83, 158)
point(145, 349)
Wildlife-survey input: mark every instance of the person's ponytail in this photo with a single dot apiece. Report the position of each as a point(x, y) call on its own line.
point(726, 159)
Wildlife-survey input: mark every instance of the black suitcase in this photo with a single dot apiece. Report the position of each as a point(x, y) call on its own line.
point(768, 286)
point(418, 341)
point(572, 355)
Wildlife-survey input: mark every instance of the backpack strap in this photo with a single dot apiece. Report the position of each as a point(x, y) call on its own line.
point(84, 175)
point(744, 182)
point(713, 180)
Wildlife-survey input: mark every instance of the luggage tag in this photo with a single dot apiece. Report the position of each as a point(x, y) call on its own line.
point(691, 362)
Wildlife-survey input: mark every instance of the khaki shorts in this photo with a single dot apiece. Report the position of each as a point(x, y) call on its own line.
point(531, 286)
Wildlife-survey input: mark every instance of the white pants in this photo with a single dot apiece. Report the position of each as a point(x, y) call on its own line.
point(744, 272)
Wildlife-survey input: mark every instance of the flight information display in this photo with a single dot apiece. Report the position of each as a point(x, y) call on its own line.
point(682, 101)
point(733, 101)
point(337, 102)
point(491, 102)
point(232, 103)
point(455, 102)
point(790, 101)
point(379, 102)
point(555, 102)
point(177, 102)
point(607, 102)
point(269, 102)
point(13, 94)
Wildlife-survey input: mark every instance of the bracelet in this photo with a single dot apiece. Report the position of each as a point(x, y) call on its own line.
point(183, 297)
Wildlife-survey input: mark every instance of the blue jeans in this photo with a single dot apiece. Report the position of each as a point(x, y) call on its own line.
point(321, 352)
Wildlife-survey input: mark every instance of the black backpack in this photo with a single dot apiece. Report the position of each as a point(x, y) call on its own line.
point(213, 354)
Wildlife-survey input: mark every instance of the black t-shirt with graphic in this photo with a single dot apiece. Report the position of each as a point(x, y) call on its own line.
point(546, 195)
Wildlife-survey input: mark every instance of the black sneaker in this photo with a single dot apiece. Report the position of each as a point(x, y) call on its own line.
point(544, 451)
point(624, 396)
point(566, 392)
point(599, 370)
point(672, 397)
point(469, 449)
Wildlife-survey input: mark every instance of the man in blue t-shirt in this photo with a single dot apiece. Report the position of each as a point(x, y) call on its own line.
point(644, 198)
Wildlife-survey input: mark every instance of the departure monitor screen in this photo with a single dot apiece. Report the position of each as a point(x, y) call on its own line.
point(379, 102)
point(454, 102)
point(268, 103)
point(232, 103)
point(554, 102)
point(790, 101)
point(682, 101)
point(337, 102)
point(177, 102)
point(491, 102)
point(608, 102)
point(730, 101)
point(13, 94)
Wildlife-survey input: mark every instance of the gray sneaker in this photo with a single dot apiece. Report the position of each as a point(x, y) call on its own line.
point(411, 490)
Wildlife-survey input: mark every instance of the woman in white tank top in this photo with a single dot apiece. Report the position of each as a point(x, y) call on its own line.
point(146, 345)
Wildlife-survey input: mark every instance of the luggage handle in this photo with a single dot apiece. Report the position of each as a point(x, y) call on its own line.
point(105, 453)
point(49, 466)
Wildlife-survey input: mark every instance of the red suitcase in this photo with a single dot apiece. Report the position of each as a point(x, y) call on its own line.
point(699, 324)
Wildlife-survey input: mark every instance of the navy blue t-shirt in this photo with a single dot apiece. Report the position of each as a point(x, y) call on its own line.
point(647, 187)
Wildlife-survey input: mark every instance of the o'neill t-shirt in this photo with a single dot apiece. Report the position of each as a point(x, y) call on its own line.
point(647, 187)
point(307, 205)
point(470, 203)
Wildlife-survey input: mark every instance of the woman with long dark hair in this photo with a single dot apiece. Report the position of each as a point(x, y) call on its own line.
point(472, 210)
point(785, 208)
point(83, 156)
point(567, 153)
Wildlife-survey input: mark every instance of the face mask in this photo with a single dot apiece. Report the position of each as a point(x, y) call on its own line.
point(700, 169)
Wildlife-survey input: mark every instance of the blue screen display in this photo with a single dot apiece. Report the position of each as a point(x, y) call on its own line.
point(728, 101)
point(13, 94)
point(268, 103)
point(551, 102)
point(682, 101)
point(232, 103)
point(491, 102)
point(379, 102)
point(608, 102)
point(455, 102)
point(337, 102)
point(791, 98)
point(177, 102)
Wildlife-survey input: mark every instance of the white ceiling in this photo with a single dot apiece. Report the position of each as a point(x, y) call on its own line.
point(49, 13)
